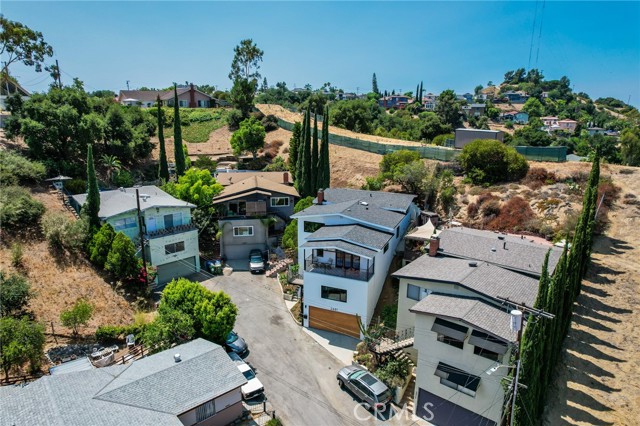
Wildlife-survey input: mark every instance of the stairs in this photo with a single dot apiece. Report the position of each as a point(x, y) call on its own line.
point(408, 397)
point(277, 267)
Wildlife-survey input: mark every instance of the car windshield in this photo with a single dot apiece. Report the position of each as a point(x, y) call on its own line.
point(232, 337)
point(249, 374)
point(256, 258)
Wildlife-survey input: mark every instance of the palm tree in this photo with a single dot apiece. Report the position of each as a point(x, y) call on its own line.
point(112, 164)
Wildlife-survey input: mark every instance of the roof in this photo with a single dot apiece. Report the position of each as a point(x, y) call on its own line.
point(123, 200)
point(250, 185)
point(518, 254)
point(152, 95)
point(381, 199)
point(356, 211)
point(228, 178)
point(151, 391)
point(356, 234)
point(477, 130)
point(341, 245)
point(471, 311)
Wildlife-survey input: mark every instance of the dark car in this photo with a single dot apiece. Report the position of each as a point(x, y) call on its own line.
point(235, 343)
point(368, 389)
point(256, 262)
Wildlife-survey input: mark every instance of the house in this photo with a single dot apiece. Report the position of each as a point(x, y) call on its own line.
point(467, 97)
point(341, 96)
point(189, 97)
point(567, 125)
point(394, 101)
point(517, 117)
point(170, 237)
point(474, 110)
point(488, 93)
point(465, 136)
point(596, 131)
point(346, 242)
point(552, 124)
point(518, 97)
point(10, 87)
point(193, 383)
point(250, 205)
point(429, 101)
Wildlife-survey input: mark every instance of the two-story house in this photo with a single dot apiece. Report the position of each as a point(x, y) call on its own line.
point(250, 205)
point(189, 97)
point(394, 101)
point(474, 110)
point(518, 117)
point(170, 238)
point(346, 242)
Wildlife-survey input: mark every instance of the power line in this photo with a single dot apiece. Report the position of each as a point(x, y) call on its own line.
point(533, 31)
point(544, 3)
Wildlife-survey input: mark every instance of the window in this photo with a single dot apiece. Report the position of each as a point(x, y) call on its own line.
point(174, 247)
point(417, 293)
point(122, 224)
point(312, 226)
point(320, 252)
point(239, 208)
point(279, 201)
point(487, 346)
point(451, 341)
point(243, 231)
point(205, 411)
point(182, 103)
point(449, 332)
point(332, 293)
point(486, 353)
point(386, 247)
point(457, 379)
point(171, 220)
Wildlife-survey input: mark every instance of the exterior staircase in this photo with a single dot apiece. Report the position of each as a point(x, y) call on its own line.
point(278, 266)
point(408, 397)
point(396, 342)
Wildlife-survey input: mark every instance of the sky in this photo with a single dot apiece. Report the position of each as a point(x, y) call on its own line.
point(447, 45)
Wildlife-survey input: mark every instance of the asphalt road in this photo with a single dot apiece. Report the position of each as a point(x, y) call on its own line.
point(298, 374)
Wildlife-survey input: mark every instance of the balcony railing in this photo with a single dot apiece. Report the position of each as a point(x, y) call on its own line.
point(312, 264)
point(165, 232)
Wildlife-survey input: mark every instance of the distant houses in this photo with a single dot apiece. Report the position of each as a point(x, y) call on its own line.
point(553, 124)
point(516, 117)
point(188, 97)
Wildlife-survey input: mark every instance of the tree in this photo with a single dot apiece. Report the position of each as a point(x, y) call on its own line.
point(21, 341)
point(100, 245)
point(392, 161)
point(478, 89)
point(249, 137)
point(18, 209)
point(305, 170)
point(374, 85)
point(163, 171)
point(533, 107)
point(314, 155)
point(91, 207)
point(242, 96)
point(324, 165)
point(213, 313)
point(531, 135)
point(246, 59)
point(446, 190)
point(416, 178)
point(265, 85)
point(177, 135)
point(15, 292)
point(170, 327)
point(19, 43)
point(196, 186)
point(112, 164)
point(122, 262)
point(448, 109)
point(78, 315)
point(294, 146)
point(420, 93)
point(630, 146)
point(64, 233)
point(490, 161)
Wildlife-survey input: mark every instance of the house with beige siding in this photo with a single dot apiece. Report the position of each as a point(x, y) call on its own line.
point(188, 97)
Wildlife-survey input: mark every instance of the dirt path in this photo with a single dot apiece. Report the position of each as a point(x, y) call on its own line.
point(598, 380)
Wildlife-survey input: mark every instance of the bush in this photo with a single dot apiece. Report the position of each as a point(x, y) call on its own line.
point(490, 161)
point(441, 139)
point(472, 210)
point(373, 183)
point(389, 316)
point(16, 254)
point(394, 373)
point(121, 260)
point(108, 334)
point(123, 179)
point(76, 186)
point(391, 162)
point(515, 215)
point(490, 208)
point(537, 177)
point(15, 293)
point(15, 169)
point(100, 245)
point(65, 233)
point(204, 162)
point(18, 209)
point(234, 119)
point(277, 165)
point(270, 123)
point(78, 315)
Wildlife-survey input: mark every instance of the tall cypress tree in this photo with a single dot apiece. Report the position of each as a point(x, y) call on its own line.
point(314, 156)
point(294, 144)
point(374, 84)
point(324, 177)
point(163, 172)
point(177, 135)
point(594, 181)
point(91, 206)
point(420, 93)
point(417, 97)
point(301, 175)
point(306, 160)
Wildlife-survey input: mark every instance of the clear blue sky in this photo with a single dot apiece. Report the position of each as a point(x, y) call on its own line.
point(453, 44)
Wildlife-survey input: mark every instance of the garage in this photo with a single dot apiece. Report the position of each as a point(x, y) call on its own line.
point(334, 321)
point(177, 269)
point(441, 412)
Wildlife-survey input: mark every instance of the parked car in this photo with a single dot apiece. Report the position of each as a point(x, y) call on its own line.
point(256, 261)
point(253, 387)
point(235, 343)
point(368, 389)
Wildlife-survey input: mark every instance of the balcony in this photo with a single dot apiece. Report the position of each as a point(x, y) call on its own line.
point(316, 266)
point(165, 232)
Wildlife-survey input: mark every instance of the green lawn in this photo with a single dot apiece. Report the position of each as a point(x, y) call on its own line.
point(197, 124)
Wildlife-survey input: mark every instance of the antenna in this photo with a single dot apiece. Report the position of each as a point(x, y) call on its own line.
point(127, 84)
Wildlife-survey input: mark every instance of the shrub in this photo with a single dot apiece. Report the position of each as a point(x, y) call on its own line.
point(100, 245)
point(514, 215)
point(204, 162)
point(78, 315)
point(508, 124)
point(234, 118)
point(490, 208)
point(373, 183)
point(15, 169)
point(537, 177)
point(18, 209)
point(123, 179)
point(121, 260)
point(391, 162)
point(15, 293)
point(490, 161)
point(107, 334)
point(23, 341)
point(389, 316)
point(76, 186)
point(394, 373)
point(277, 165)
point(65, 233)
point(270, 123)
point(274, 422)
point(16, 254)
point(441, 139)
point(257, 164)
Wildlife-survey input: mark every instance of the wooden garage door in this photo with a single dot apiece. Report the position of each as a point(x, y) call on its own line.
point(337, 322)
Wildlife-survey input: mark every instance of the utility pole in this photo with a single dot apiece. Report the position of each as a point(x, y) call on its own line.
point(59, 72)
point(144, 260)
point(127, 84)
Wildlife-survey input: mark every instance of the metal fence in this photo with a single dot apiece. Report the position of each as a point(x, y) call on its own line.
point(533, 153)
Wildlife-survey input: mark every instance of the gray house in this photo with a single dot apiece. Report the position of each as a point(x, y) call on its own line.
point(250, 207)
point(193, 383)
point(465, 136)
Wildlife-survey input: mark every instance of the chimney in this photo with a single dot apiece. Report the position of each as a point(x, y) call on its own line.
point(285, 178)
point(192, 96)
point(320, 196)
point(434, 245)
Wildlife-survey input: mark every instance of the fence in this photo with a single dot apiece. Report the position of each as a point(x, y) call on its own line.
point(533, 153)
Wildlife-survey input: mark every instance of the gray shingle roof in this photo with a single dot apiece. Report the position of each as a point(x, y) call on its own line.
point(511, 252)
point(485, 279)
point(471, 311)
point(123, 200)
point(383, 200)
point(151, 391)
point(354, 210)
point(341, 245)
point(352, 233)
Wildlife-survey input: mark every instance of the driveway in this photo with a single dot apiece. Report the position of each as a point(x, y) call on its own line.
point(299, 375)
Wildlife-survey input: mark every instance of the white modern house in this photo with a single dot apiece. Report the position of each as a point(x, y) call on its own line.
point(346, 242)
point(170, 237)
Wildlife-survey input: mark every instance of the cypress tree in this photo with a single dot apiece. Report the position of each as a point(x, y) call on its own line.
point(301, 172)
point(91, 206)
point(306, 160)
point(314, 156)
point(177, 135)
point(324, 168)
point(556, 307)
point(420, 93)
point(417, 97)
point(163, 172)
point(294, 143)
point(594, 181)
point(374, 84)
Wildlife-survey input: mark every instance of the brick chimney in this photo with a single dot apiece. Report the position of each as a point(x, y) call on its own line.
point(320, 196)
point(434, 245)
point(192, 96)
point(285, 178)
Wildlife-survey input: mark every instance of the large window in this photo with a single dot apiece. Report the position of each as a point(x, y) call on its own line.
point(205, 411)
point(332, 293)
point(171, 220)
point(487, 346)
point(174, 247)
point(450, 333)
point(457, 379)
point(122, 224)
point(279, 201)
point(450, 341)
point(417, 293)
point(347, 260)
point(312, 226)
point(243, 231)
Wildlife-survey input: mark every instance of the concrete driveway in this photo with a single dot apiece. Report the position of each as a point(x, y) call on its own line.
point(299, 375)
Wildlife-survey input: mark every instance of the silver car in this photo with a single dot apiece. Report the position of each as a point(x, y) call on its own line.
point(256, 262)
point(369, 389)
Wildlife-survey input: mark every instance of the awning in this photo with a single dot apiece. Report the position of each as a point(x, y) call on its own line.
point(457, 376)
point(421, 233)
point(484, 341)
point(449, 329)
